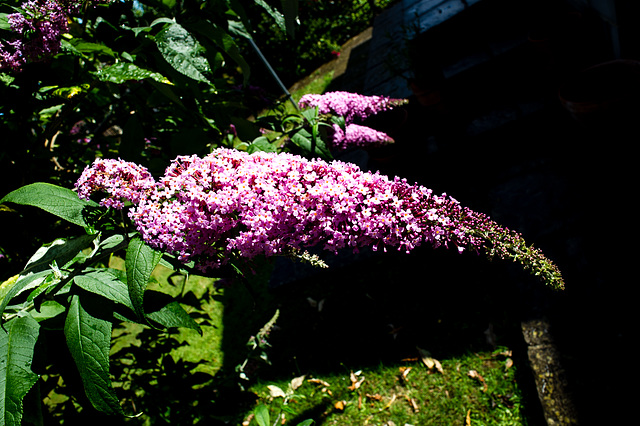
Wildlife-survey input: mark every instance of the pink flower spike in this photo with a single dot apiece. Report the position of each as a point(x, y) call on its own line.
point(351, 106)
point(232, 204)
point(359, 136)
point(120, 180)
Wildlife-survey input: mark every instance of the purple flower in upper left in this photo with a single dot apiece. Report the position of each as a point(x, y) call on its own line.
point(38, 28)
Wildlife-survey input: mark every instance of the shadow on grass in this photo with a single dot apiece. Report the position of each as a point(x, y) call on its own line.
point(377, 311)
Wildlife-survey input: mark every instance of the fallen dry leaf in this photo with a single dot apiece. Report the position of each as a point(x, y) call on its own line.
point(276, 392)
point(405, 372)
point(506, 353)
point(375, 397)
point(319, 382)
point(430, 362)
point(475, 375)
point(467, 421)
point(297, 382)
point(388, 404)
point(355, 382)
point(413, 403)
point(247, 421)
point(339, 405)
point(508, 364)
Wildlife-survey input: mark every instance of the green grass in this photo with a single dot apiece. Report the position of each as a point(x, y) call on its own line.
point(421, 397)
point(317, 85)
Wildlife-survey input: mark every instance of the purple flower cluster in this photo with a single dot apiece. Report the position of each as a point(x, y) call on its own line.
point(354, 108)
point(232, 204)
point(120, 180)
point(39, 26)
point(357, 135)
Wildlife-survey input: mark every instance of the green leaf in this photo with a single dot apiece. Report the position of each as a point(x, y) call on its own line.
point(124, 71)
point(166, 312)
point(65, 46)
point(225, 42)
point(48, 309)
point(49, 283)
point(261, 413)
point(163, 20)
point(12, 289)
point(89, 341)
point(53, 199)
point(84, 46)
point(16, 377)
point(307, 422)
point(237, 10)
point(169, 3)
point(311, 114)
point(46, 114)
point(139, 263)
point(110, 244)
point(287, 409)
point(70, 92)
point(183, 52)
point(303, 139)
point(261, 144)
point(6, 286)
point(275, 14)
point(294, 120)
point(171, 262)
point(4, 22)
point(238, 29)
point(339, 120)
point(105, 284)
point(127, 56)
point(138, 30)
point(7, 79)
point(148, 28)
point(61, 250)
